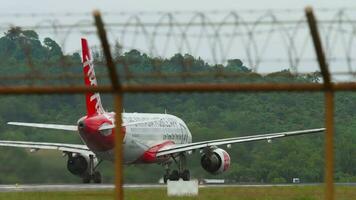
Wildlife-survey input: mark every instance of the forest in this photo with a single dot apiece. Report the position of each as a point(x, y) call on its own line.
point(208, 116)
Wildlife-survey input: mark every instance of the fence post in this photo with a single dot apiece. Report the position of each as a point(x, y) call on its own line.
point(329, 105)
point(118, 96)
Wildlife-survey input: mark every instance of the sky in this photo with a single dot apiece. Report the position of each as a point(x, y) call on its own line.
point(44, 6)
point(133, 6)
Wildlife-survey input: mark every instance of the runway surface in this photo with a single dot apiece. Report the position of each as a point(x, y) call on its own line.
point(88, 187)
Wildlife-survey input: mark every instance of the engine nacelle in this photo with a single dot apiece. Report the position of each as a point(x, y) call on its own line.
point(77, 164)
point(215, 161)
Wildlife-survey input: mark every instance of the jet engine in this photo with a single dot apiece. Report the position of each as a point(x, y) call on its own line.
point(215, 161)
point(77, 164)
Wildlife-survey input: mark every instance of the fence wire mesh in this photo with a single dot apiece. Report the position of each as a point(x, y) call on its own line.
point(263, 41)
point(180, 51)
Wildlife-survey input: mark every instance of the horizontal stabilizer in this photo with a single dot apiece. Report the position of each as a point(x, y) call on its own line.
point(74, 127)
point(49, 126)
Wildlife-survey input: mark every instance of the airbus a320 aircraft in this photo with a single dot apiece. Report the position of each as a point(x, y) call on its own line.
point(149, 138)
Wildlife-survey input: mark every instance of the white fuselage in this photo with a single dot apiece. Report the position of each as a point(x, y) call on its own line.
point(141, 137)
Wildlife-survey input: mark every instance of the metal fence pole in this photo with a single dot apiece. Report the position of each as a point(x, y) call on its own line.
point(119, 193)
point(118, 96)
point(329, 105)
point(329, 145)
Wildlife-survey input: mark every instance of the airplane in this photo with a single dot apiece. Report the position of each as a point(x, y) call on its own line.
point(148, 138)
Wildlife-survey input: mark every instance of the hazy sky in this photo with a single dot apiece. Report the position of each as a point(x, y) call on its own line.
point(21, 6)
point(81, 6)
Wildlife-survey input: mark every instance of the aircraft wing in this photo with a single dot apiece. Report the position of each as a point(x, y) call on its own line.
point(174, 149)
point(73, 148)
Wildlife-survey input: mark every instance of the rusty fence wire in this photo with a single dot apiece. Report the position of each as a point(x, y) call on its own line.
point(215, 36)
point(265, 41)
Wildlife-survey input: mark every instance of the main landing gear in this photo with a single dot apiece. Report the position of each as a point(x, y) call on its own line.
point(92, 174)
point(182, 171)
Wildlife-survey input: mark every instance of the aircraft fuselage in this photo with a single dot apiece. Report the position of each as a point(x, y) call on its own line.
point(141, 140)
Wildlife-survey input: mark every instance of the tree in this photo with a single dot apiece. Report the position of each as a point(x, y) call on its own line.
point(236, 65)
point(54, 50)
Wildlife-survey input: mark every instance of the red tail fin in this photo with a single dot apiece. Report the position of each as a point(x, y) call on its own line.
point(93, 101)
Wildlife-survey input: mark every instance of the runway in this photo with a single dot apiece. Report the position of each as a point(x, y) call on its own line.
point(96, 187)
point(54, 187)
point(71, 187)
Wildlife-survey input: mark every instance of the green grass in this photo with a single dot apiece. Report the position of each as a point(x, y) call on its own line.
point(228, 193)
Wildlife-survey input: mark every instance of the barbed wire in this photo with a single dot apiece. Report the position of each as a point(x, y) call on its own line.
point(265, 40)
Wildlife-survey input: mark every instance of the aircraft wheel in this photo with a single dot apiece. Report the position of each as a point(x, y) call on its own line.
point(185, 175)
point(174, 176)
point(165, 178)
point(97, 177)
point(86, 178)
